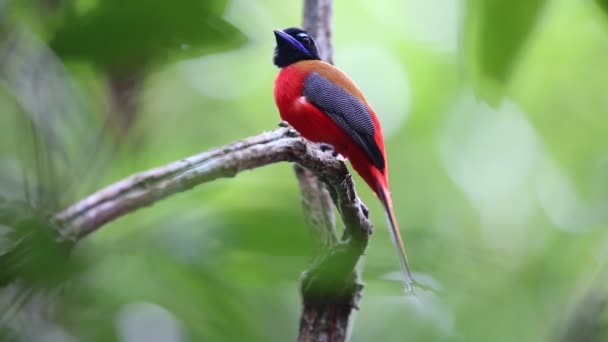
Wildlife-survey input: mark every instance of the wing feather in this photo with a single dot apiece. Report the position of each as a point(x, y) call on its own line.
point(347, 111)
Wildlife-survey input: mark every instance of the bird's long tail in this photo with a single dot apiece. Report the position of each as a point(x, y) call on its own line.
point(385, 198)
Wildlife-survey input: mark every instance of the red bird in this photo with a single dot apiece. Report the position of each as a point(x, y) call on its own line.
point(324, 105)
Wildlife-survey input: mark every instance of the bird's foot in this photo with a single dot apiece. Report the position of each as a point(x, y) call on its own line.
point(327, 148)
point(364, 210)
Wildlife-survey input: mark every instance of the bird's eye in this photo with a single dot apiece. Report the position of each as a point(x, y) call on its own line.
point(304, 38)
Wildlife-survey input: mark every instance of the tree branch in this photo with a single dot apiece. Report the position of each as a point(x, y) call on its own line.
point(317, 22)
point(329, 287)
point(148, 187)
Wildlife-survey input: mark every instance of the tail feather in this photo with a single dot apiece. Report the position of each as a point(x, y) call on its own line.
point(385, 198)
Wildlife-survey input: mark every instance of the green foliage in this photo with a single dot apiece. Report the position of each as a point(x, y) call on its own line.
point(32, 253)
point(121, 35)
point(603, 4)
point(496, 35)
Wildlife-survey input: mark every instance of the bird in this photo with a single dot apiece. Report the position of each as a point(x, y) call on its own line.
point(325, 106)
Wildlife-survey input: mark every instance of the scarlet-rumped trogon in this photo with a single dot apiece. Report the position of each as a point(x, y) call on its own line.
point(324, 105)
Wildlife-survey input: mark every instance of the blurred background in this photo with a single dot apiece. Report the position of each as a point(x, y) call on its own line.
point(496, 120)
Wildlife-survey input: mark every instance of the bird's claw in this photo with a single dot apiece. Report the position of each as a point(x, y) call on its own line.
point(364, 210)
point(325, 147)
point(328, 148)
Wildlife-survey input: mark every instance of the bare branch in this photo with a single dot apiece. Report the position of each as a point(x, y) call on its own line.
point(329, 288)
point(146, 188)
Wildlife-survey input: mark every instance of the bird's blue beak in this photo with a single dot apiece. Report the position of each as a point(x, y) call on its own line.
point(284, 39)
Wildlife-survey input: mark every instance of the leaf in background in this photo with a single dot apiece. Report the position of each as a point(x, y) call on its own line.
point(495, 35)
point(604, 5)
point(124, 34)
point(47, 129)
point(30, 249)
point(51, 146)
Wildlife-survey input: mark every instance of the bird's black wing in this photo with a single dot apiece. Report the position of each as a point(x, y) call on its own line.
point(348, 112)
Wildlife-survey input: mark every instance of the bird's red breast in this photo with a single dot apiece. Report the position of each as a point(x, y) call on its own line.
point(316, 125)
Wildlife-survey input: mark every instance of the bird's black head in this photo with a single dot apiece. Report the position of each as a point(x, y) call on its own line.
point(293, 45)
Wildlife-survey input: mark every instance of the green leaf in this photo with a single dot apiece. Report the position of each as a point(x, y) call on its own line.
point(124, 34)
point(32, 251)
point(604, 5)
point(496, 34)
